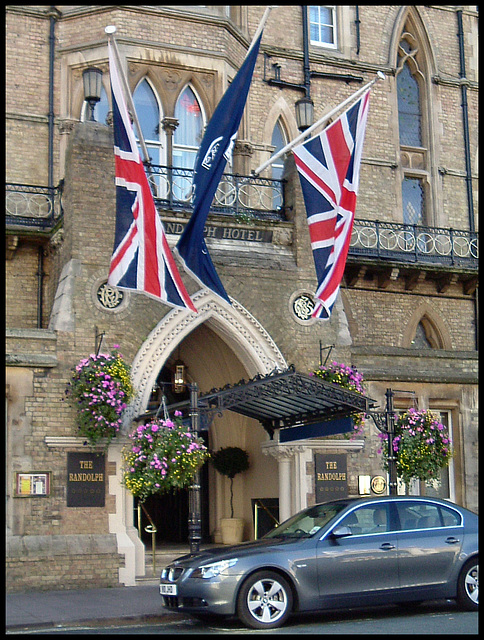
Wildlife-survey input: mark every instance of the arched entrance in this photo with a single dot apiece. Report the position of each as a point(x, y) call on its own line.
point(170, 511)
point(220, 345)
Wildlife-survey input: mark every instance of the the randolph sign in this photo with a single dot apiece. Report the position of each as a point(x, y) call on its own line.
point(331, 476)
point(86, 474)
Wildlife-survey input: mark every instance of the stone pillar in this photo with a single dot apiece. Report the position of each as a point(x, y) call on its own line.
point(121, 523)
point(169, 126)
point(242, 154)
point(287, 490)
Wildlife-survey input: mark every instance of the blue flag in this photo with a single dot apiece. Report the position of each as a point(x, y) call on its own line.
point(215, 150)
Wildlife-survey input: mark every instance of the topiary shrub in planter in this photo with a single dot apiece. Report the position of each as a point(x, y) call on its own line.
point(229, 461)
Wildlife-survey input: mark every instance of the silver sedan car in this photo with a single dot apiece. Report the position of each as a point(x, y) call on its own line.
point(343, 553)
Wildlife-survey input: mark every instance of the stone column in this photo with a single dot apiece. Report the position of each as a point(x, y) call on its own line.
point(121, 523)
point(169, 126)
point(284, 454)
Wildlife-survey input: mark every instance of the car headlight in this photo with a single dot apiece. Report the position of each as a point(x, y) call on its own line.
point(214, 569)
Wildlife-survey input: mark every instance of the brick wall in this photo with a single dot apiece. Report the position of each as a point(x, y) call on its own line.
point(198, 43)
point(45, 563)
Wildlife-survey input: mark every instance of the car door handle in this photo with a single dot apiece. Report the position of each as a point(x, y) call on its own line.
point(452, 540)
point(387, 546)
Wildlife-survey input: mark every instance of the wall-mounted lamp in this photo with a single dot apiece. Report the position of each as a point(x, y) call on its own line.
point(179, 380)
point(91, 78)
point(304, 113)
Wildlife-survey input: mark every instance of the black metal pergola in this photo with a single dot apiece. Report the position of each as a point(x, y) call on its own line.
point(279, 400)
point(283, 399)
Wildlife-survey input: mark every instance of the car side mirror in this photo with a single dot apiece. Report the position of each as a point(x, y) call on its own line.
point(341, 532)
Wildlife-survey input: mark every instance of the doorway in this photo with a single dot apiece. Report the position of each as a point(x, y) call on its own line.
point(169, 511)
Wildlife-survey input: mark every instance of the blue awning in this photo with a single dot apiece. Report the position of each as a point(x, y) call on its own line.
point(316, 430)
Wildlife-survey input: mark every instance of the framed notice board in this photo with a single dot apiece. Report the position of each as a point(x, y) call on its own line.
point(331, 476)
point(28, 485)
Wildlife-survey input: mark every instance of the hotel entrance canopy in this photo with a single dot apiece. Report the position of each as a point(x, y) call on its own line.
point(286, 399)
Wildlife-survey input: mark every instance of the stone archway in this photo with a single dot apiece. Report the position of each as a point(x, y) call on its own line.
point(249, 341)
point(245, 339)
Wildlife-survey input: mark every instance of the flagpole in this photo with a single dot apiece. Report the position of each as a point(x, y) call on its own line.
point(327, 116)
point(111, 30)
point(262, 24)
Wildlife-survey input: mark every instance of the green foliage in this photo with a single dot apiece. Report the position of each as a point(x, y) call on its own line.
point(100, 390)
point(229, 461)
point(348, 378)
point(421, 444)
point(163, 457)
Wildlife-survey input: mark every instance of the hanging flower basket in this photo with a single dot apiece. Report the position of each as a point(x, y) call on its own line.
point(100, 390)
point(163, 456)
point(421, 444)
point(348, 378)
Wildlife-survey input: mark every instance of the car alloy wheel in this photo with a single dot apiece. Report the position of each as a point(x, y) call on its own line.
point(468, 585)
point(264, 601)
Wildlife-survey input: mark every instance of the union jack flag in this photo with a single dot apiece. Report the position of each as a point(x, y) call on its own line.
point(329, 167)
point(142, 259)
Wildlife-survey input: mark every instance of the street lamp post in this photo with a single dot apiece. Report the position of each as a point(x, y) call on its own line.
point(385, 422)
point(194, 505)
point(390, 429)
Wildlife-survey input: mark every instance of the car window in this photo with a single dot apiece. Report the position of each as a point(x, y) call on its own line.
point(425, 515)
point(450, 517)
point(368, 519)
point(307, 522)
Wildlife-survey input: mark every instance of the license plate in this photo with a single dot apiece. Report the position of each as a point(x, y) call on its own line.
point(168, 589)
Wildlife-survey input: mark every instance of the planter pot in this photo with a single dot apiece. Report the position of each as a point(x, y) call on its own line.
point(232, 530)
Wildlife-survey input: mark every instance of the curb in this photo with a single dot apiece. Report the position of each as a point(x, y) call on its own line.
point(98, 622)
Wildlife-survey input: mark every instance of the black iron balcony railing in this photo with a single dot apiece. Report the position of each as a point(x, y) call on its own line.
point(247, 197)
point(414, 243)
point(236, 195)
point(32, 206)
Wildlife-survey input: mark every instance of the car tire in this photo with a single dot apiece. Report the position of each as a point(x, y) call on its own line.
point(264, 601)
point(468, 585)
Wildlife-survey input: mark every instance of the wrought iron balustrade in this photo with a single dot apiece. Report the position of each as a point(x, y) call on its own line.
point(32, 206)
point(236, 195)
point(414, 243)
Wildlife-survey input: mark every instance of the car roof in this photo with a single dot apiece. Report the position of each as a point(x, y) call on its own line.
point(363, 499)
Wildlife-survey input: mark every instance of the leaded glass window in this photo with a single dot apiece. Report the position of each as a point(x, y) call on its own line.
point(420, 340)
point(188, 134)
point(148, 113)
point(413, 200)
point(278, 142)
point(409, 115)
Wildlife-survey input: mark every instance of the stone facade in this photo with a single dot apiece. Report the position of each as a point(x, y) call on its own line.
point(54, 316)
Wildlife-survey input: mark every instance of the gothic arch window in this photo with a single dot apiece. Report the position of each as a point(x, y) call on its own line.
point(413, 130)
point(278, 141)
point(426, 335)
point(189, 132)
point(409, 110)
point(149, 115)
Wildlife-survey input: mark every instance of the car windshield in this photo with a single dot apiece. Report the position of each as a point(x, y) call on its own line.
point(308, 522)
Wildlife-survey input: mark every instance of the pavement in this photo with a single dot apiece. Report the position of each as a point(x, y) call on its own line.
point(96, 607)
point(141, 603)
